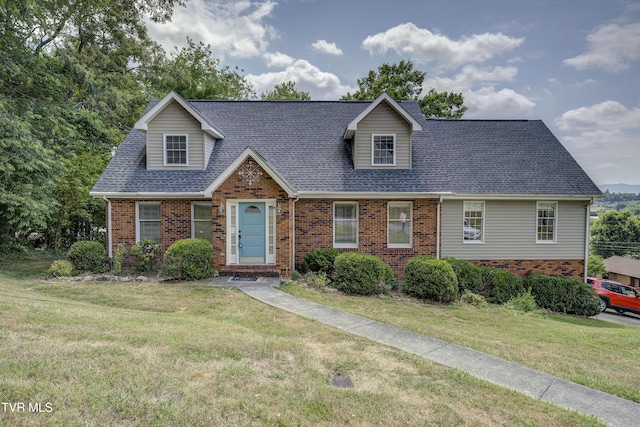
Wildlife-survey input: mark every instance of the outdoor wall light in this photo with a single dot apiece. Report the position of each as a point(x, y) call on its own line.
point(220, 209)
point(278, 209)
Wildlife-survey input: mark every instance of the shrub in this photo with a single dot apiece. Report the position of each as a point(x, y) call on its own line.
point(90, 256)
point(469, 275)
point(316, 280)
point(361, 274)
point(498, 286)
point(430, 279)
point(525, 302)
point(295, 275)
point(563, 294)
point(190, 259)
point(321, 260)
point(147, 252)
point(474, 299)
point(60, 268)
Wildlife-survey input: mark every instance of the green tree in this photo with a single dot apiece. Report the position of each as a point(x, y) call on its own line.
point(616, 233)
point(195, 74)
point(285, 91)
point(403, 82)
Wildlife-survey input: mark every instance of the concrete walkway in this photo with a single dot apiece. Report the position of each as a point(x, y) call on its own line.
point(610, 409)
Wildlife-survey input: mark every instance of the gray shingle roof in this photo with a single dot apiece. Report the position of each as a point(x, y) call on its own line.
point(303, 142)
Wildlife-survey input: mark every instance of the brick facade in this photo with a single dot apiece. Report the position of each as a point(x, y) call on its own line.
point(314, 229)
point(559, 267)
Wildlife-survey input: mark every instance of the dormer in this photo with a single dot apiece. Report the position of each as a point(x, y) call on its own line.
point(381, 136)
point(178, 136)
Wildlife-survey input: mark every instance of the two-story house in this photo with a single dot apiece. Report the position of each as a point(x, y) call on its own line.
point(268, 181)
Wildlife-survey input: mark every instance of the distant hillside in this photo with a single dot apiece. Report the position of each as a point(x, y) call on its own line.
point(620, 188)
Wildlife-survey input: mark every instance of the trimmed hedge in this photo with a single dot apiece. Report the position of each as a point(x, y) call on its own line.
point(430, 279)
point(321, 260)
point(499, 286)
point(61, 268)
point(189, 259)
point(469, 275)
point(362, 274)
point(88, 256)
point(563, 294)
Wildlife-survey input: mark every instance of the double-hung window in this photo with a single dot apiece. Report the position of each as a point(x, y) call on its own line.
point(345, 225)
point(148, 221)
point(399, 220)
point(383, 150)
point(175, 150)
point(473, 222)
point(201, 218)
point(546, 222)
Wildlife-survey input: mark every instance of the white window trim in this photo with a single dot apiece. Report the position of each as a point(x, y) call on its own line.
point(484, 225)
point(555, 224)
point(193, 216)
point(373, 149)
point(333, 225)
point(164, 149)
point(400, 245)
point(138, 218)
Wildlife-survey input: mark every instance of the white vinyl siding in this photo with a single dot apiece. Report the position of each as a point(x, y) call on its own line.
point(383, 120)
point(148, 221)
point(175, 120)
point(509, 231)
point(399, 224)
point(345, 225)
point(201, 221)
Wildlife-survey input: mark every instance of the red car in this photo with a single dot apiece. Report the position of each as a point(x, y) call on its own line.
point(615, 295)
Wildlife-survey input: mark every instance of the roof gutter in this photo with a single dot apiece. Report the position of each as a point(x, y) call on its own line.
point(148, 195)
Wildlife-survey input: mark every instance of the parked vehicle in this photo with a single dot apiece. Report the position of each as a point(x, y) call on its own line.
point(615, 295)
point(470, 233)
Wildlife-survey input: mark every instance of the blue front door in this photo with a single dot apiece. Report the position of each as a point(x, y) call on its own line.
point(251, 233)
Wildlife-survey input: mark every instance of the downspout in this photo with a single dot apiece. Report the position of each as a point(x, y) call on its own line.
point(587, 232)
point(109, 235)
point(293, 233)
point(438, 228)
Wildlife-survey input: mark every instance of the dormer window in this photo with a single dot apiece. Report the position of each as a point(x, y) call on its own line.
point(383, 150)
point(175, 150)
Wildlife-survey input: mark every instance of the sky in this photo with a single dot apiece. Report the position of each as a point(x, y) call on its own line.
point(574, 64)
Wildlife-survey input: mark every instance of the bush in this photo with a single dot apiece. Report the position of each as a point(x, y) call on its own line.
point(190, 259)
point(469, 275)
point(563, 294)
point(430, 279)
point(474, 299)
point(316, 280)
point(321, 260)
point(362, 274)
point(147, 252)
point(525, 302)
point(88, 256)
point(498, 286)
point(60, 268)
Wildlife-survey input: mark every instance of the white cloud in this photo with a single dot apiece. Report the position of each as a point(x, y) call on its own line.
point(612, 47)
point(235, 29)
point(278, 59)
point(594, 134)
point(326, 47)
point(605, 115)
point(307, 77)
point(489, 103)
point(424, 46)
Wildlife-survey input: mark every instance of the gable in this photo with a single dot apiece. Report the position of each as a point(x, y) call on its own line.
point(174, 120)
point(382, 121)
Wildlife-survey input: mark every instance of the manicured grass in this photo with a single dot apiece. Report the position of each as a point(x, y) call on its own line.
point(106, 353)
point(595, 353)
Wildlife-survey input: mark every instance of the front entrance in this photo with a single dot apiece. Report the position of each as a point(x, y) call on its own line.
point(251, 233)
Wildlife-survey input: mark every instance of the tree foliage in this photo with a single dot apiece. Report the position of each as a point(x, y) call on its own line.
point(616, 233)
point(285, 91)
point(402, 82)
